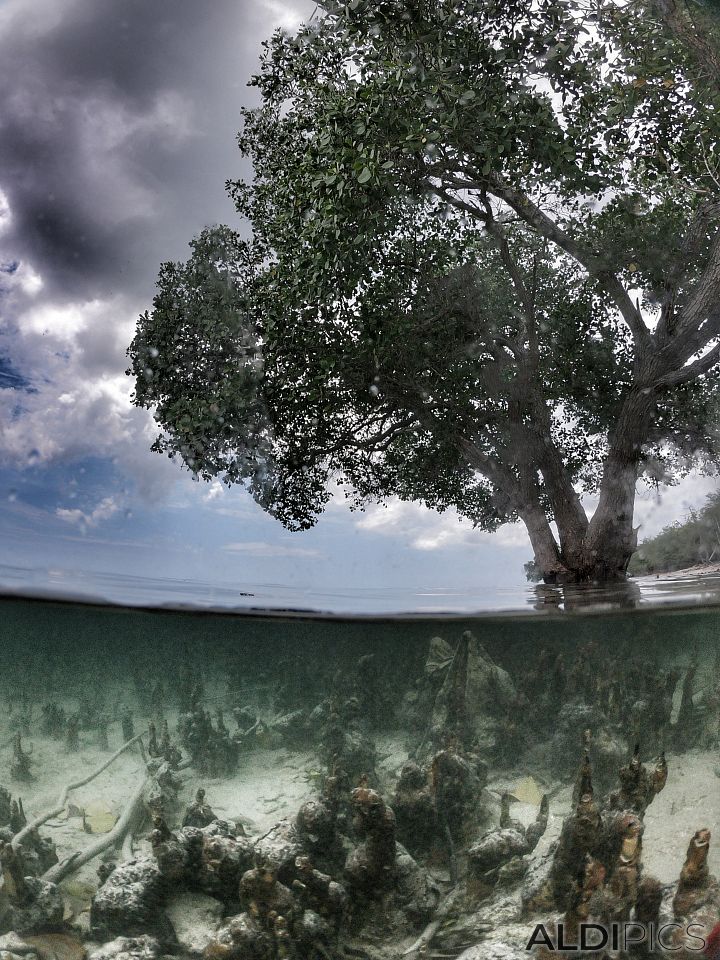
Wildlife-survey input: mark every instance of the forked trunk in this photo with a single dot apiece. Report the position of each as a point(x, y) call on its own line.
point(602, 552)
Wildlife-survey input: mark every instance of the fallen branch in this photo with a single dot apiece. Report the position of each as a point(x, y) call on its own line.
point(67, 789)
point(451, 849)
point(113, 838)
point(422, 944)
point(127, 851)
point(424, 940)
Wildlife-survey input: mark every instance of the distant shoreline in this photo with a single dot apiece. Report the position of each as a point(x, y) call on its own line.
point(685, 573)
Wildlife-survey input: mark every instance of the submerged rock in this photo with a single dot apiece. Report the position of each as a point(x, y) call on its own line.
point(279, 847)
point(319, 895)
point(57, 946)
point(501, 850)
point(606, 749)
point(36, 853)
point(311, 929)
point(497, 847)
point(13, 945)
point(174, 854)
point(317, 830)
point(415, 813)
point(440, 656)
point(695, 883)
point(473, 695)
point(223, 860)
point(417, 893)
point(209, 860)
point(242, 938)
point(370, 867)
point(130, 902)
point(40, 910)
point(291, 728)
point(537, 890)
point(199, 813)
point(128, 948)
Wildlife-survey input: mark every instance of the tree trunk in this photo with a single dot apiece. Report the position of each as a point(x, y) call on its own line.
point(611, 539)
point(545, 549)
point(602, 551)
point(585, 551)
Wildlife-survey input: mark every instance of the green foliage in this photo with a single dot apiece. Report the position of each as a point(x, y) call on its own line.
point(682, 544)
point(197, 360)
point(392, 310)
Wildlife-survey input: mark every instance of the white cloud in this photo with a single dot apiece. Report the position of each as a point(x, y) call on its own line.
point(23, 278)
point(107, 508)
point(29, 282)
point(284, 14)
point(424, 529)
point(5, 213)
point(74, 357)
point(258, 548)
point(109, 124)
point(214, 492)
point(510, 535)
point(46, 16)
point(59, 322)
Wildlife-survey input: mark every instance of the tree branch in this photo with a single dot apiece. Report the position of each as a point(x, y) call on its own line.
point(372, 442)
point(531, 214)
point(546, 227)
point(692, 370)
point(76, 860)
point(66, 790)
point(699, 318)
point(513, 270)
point(696, 236)
point(684, 29)
point(459, 204)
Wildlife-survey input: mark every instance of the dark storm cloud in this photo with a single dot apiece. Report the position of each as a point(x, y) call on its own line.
point(117, 127)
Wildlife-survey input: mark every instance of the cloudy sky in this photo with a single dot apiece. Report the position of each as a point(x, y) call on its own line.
point(117, 133)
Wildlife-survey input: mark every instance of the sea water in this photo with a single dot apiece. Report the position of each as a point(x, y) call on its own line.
point(426, 786)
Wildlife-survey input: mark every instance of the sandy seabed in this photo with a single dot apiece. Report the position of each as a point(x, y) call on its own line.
point(270, 785)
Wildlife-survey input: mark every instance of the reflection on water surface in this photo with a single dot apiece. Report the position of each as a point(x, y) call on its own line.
point(96, 587)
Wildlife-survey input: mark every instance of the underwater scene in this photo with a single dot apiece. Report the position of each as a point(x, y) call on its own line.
point(252, 788)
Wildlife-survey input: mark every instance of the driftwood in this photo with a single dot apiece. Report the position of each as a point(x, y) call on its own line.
point(424, 940)
point(121, 833)
point(67, 789)
point(127, 852)
point(421, 946)
point(70, 864)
